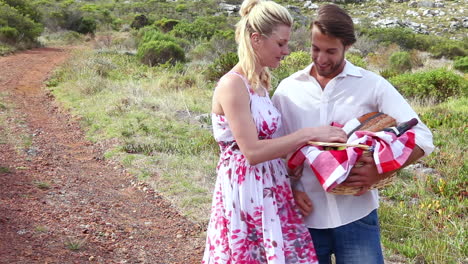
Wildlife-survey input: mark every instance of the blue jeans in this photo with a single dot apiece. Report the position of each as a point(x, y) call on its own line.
point(355, 243)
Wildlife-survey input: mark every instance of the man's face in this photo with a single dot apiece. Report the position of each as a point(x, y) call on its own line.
point(328, 54)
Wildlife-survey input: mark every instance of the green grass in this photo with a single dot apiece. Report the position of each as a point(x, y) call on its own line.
point(42, 185)
point(423, 216)
point(74, 244)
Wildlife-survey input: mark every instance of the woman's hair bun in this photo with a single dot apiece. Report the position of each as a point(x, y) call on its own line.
point(246, 6)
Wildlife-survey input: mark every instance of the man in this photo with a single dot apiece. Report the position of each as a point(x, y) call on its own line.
point(333, 90)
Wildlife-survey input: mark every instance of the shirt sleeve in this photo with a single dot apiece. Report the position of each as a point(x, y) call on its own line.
point(392, 103)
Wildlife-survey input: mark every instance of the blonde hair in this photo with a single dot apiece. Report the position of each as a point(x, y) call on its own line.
point(260, 16)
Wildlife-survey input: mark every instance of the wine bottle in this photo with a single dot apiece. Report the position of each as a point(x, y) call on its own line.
point(402, 128)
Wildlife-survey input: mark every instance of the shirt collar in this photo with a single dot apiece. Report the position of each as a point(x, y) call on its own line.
point(349, 69)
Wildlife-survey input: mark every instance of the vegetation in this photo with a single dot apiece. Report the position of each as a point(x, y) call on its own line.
point(17, 24)
point(461, 64)
point(439, 84)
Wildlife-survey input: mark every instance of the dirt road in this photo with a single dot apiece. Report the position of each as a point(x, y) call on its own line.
point(60, 202)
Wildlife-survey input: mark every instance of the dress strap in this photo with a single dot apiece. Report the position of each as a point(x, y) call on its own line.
point(247, 85)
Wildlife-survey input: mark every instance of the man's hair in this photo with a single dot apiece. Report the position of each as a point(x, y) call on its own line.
point(260, 16)
point(334, 21)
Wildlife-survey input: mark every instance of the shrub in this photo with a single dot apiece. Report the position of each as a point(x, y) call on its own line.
point(25, 8)
point(439, 84)
point(400, 61)
point(221, 66)
point(27, 29)
point(139, 22)
point(181, 8)
point(404, 37)
point(356, 60)
point(461, 64)
point(84, 25)
point(379, 59)
point(449, 49)
point(165, 24)
point(8, 34)
point(387, 73)
point(202, 27)
point(291, 64)
point(160, 51)
point(203, 51)
point(365, 45)
point(300, 39)
point(148, 34)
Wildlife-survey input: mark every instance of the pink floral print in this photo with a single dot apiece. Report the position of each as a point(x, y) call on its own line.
point(253, 217)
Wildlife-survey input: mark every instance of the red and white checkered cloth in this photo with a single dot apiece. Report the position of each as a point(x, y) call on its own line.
point(332, 167)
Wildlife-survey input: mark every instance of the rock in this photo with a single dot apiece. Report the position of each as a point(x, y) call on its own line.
point(412, 13)
point(413, 4)
point(428, 4)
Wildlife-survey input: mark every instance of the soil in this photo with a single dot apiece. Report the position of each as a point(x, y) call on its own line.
point(60, 201)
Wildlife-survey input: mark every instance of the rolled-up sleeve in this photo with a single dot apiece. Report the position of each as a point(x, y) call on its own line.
point(394, 104)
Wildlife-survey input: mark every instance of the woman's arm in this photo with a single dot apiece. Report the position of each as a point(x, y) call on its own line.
point(232, 97)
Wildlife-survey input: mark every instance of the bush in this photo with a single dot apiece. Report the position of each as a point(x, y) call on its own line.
point(404, 37)
point(202, 27)
point(148, 34)
point(221, 66)
point(165, 24)
point(356, 60)
point(84, 25)
point(160, 51)
point(387, 73)
point(25, 8)
point(449, 49)
point(181, 8)
point(291, 64)
point(400, 61)
point(439, 84)
point(8, 34)
point(461, 64)
point(139, 22)
point(28, 30)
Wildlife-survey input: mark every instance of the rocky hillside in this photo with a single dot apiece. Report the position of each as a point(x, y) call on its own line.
point(441, 18)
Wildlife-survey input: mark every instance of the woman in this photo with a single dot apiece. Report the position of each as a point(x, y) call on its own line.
point(253, 217)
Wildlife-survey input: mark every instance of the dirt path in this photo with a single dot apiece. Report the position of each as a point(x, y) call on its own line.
point(59, 201)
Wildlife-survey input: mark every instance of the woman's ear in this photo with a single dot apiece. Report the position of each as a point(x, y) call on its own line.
point(255, 38)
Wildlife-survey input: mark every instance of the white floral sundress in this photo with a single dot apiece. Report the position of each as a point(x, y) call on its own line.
point(253, 217)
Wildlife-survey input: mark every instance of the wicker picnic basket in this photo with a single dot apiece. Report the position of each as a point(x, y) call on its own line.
point(373, 122)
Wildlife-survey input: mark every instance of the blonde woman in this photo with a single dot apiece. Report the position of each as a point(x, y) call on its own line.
point(254, 218)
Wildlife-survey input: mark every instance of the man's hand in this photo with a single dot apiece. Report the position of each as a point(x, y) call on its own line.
point(364, 174)
point(303, 202)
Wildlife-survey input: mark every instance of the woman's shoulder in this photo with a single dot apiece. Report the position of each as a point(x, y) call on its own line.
point(231, 81)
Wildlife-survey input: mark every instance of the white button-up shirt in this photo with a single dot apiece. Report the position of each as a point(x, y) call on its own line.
point(352, 93)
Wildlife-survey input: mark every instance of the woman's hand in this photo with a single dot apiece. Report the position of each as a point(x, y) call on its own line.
point(325, 134)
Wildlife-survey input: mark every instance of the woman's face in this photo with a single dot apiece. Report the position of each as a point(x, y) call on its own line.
point(272, 49)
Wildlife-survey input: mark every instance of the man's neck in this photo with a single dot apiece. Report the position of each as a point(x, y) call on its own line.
point(324, 80)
